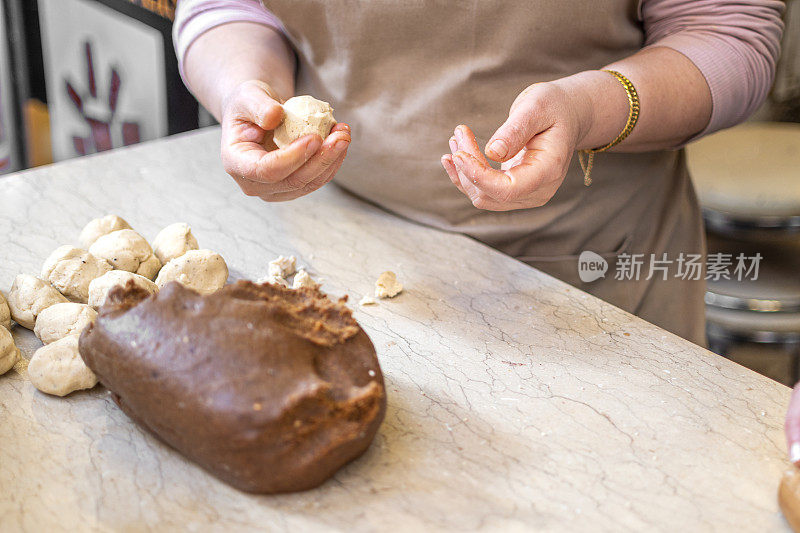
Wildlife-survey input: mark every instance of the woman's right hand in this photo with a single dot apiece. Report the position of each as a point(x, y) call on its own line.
point(249, 115)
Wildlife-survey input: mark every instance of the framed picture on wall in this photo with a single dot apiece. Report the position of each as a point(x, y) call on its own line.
point(111, 74)
point(11, 131)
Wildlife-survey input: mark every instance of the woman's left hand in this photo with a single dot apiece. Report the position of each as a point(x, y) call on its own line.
point(534, 146)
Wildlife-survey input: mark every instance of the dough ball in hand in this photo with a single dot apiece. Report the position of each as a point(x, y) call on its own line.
point(60, 320)
point(304, 115)
point(29, 296)
point(201, 270)
point(174, 241)
point(98, 288)
point(70, 270)
point(101, 226)
point(5, 313)
point(127, 250)
point(9, 353)
point(57, 368)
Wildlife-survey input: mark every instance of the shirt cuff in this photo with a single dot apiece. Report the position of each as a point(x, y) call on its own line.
point(195, 17)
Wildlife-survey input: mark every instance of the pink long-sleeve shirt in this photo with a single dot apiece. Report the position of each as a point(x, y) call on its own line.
point(734, 43)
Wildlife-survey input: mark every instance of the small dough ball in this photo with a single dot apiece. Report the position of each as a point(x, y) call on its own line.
point(57, 368)
point(201, 270)
point(387, 285)
point(70, 270)
point(127, 250)
point(5, 312)
point(101, 226)
point(304, 115)
point(303, 279)
point(9, 353)
point(174, 241)
point(282, 267)
point(29, 296)
point(98, 288)
point(60, 320)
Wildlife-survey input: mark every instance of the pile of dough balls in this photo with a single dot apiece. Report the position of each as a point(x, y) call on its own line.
point(74, 283)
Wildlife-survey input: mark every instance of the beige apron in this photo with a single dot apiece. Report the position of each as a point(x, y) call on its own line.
point(404, 73)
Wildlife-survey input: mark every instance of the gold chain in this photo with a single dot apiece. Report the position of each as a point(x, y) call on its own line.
point(633, 117)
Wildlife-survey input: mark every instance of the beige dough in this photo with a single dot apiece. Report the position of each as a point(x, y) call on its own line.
point(5, 313)
point(9, 353)
point(274, 280)
point(101, 226)
point(127, 250)
point(304, 115)
point(98, 288)
point(70, 270)
point(60, 320)
point(367, 300)
point(174, 241)
point(282, 267)
point(57, 368)
point(303, 279)
point(201, 270)
point(29, 296)
point(387, 285)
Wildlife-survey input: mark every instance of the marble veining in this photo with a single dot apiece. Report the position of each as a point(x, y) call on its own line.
point(516, 402)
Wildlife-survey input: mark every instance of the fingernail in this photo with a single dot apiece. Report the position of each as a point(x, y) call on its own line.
point(341, 145)
point(794, 452)
point(312, 147)
point(499, 148)
point(453, 144)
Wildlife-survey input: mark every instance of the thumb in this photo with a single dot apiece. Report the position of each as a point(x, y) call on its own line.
point(254, 103)
point(524, 121)
point(793, 426)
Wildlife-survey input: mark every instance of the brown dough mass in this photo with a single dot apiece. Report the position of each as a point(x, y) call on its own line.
point(268, 388)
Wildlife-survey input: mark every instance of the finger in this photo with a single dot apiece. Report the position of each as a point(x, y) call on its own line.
point(309, 188)
point(331, 150)
point(340, 126)
point(251, 161)
point(526, 119)
point(793, 426)
point(449, 167)
point(484, 178)
point(466, 142)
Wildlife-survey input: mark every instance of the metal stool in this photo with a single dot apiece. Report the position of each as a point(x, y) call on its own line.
point(748, 180)
point(748, 183)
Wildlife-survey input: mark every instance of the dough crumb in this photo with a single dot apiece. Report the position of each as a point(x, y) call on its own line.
point(282, 267)
point(273, 280)
point(367, 300)
point(387, 285)
point(303, 279)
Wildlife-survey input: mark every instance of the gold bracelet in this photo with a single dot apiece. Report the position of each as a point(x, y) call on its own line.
point(633, 117)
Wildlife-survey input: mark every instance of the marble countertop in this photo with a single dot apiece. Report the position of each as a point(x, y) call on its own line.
point(515, 401)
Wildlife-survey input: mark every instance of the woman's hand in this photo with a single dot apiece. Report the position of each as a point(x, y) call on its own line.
point(792, 426)
point(534, 146)
point(249, 114)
